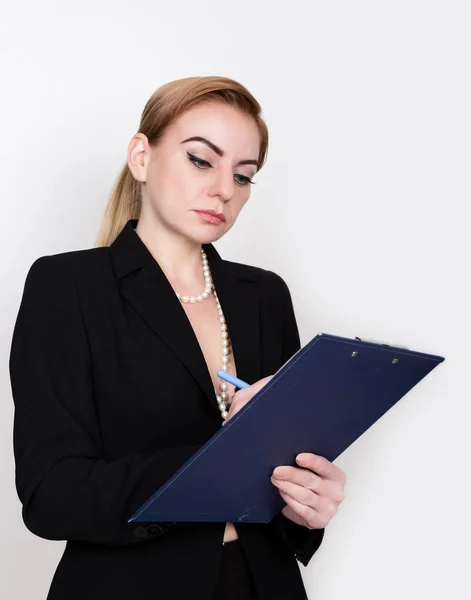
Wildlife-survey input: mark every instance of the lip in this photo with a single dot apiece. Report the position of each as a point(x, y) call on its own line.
point(214, 213)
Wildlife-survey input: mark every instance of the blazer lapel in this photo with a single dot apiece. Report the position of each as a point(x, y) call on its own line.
point(144, 284)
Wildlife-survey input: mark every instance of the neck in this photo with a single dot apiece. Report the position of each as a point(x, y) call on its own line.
point(178, 257)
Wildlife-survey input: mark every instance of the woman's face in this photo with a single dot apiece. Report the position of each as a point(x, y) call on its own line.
point(182, 176)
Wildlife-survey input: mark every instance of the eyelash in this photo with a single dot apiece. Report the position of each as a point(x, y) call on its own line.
point(195, 160)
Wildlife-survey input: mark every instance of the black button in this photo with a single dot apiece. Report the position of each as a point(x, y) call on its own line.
point(154, 529)
point(140, 532)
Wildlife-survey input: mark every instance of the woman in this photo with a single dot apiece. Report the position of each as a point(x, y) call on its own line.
point(114, 363)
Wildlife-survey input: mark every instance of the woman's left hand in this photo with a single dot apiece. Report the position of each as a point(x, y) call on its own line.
point(312, 499)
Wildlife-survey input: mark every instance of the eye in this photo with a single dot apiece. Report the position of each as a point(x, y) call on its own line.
point(198, 161)
point(243, 180)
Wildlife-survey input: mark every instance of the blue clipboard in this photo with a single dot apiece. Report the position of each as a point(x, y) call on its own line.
point(321, 400)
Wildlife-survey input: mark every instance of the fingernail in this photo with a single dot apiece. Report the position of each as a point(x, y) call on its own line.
point(279, 472)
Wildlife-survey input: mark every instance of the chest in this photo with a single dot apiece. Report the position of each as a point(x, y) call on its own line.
point(154, 361)
point(213, 339)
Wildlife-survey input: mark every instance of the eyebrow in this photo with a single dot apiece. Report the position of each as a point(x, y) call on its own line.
point(218, 150)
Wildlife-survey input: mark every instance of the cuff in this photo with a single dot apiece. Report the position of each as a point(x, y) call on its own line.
point(302, 542)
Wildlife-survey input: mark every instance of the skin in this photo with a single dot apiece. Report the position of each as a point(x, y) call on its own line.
point(173, 187)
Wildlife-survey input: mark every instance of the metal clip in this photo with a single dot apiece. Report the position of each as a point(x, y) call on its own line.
point(380, 343)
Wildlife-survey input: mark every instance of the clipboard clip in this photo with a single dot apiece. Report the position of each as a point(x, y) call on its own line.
point(380, 343)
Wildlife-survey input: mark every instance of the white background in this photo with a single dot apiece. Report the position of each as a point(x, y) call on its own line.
point(361, 207)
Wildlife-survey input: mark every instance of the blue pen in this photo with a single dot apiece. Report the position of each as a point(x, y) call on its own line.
point(231, 379)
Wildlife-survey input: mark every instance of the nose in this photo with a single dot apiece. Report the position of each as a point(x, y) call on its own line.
point(222, 185)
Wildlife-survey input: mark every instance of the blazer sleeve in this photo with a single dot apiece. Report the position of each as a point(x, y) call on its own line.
point(67, 488)
point(303, 542)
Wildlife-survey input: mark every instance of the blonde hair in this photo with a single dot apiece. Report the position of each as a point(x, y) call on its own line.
point(162, 108)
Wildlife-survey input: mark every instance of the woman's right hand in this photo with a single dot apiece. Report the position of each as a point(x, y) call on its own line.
point(241, 397)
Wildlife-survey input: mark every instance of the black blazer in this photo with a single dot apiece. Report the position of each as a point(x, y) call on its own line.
point(112, 395)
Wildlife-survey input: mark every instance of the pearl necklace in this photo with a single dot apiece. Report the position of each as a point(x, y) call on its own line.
point(222, 397)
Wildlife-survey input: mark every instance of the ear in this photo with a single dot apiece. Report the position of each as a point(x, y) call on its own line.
point(138, 155)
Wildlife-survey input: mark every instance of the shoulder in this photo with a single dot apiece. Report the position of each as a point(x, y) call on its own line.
point(265, 278)
point(72, 262)
point(61, 275)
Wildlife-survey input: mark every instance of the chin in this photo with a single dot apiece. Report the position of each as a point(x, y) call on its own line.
point(209, 238)
point(207, 234)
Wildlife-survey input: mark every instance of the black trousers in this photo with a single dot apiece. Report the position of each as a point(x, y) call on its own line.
point(235, 581)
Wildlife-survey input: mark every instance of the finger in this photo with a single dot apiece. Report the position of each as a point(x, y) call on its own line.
point(235, 404)
point(320, 465)
point(303, 477)
point(326, 507)
point(298, 492)
point(318, 516)
point(309, 514)
point(255, 386)
point(240, 398)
